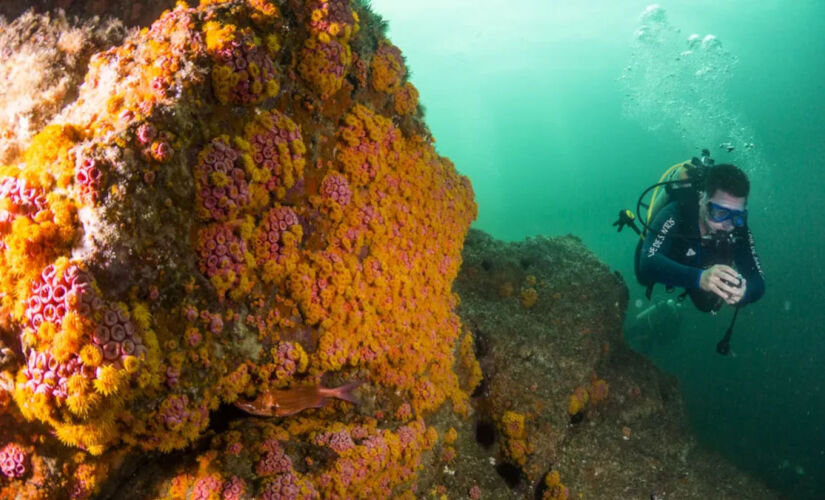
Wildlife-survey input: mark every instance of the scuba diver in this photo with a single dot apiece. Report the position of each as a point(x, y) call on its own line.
point(696, 237)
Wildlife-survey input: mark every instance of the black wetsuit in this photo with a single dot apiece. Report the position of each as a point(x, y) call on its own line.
point(674, 254)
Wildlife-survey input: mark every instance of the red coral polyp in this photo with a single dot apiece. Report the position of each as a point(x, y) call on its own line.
point(174, 412)
point(329, 13)
point(161, 151)
point(278, 149)
point(286, 356)
point(146, 133)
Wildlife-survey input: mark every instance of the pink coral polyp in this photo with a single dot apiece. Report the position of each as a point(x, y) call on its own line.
point(268, 245)
point(206, 488)
point(281, 487)
point(336, 188)
point(238, 56)
point(221, 252)
point(116, 336)
point(273, 463)
point(21, 200)
point(13, 461)
point(223, 190)
point(52, 297)
point(234, 488)
point(89, 178)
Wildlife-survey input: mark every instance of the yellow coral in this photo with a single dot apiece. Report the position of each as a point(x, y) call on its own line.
point(555, 490)
point(529, 296)
point(91, 355)
point(141, 315)
point(131, 364)
point(513, 424)
point(92, 437)
point(45, 333)
point(578, 401)
point(450, 436)
point(387, 67)
point(82, 403)
point(598, 389)
point(47, 157)
point(217, 35)
point(109, 380)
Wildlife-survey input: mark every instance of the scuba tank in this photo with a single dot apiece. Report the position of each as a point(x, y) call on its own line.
point(681, 182)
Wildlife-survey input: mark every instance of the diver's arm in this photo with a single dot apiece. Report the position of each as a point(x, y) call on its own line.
point(747, 264)
point(654, 264)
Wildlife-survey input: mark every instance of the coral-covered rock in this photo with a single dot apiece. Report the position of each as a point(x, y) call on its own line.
point(227, 208)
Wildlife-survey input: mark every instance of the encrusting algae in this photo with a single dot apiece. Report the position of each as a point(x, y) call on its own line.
point(241, 201)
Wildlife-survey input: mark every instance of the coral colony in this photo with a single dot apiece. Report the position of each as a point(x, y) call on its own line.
point(243, 198)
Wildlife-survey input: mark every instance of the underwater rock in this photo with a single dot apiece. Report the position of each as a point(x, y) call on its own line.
point(242, 198)
point(570, 407)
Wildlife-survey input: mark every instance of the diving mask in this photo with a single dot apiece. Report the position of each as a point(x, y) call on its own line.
point(718, 213)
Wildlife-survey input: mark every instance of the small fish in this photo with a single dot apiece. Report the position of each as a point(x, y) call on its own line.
point(285, 402)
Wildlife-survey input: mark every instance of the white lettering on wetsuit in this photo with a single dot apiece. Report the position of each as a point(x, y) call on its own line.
point(660, 238)
point(753, 253)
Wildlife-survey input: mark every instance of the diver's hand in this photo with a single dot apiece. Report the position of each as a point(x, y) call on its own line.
point(739, 292)
point(724, 281)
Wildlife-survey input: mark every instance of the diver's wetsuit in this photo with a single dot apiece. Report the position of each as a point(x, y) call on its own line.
point(667, 256)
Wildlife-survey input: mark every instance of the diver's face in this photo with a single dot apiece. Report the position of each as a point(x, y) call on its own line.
point(725, 200)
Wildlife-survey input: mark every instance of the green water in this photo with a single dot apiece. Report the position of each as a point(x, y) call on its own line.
point(527, 98)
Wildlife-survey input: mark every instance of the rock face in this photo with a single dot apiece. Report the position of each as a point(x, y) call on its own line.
point(566, 408)
point(243, 198)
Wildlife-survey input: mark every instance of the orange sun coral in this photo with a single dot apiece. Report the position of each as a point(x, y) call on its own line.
point(223, 213)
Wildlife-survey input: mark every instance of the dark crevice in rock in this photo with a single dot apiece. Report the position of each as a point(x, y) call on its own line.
point(222, 418)
point(481, 389)
point(541, 485)
point(510, 473)
point(485, 433)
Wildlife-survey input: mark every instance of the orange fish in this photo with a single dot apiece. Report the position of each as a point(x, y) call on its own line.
point(284, 402)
